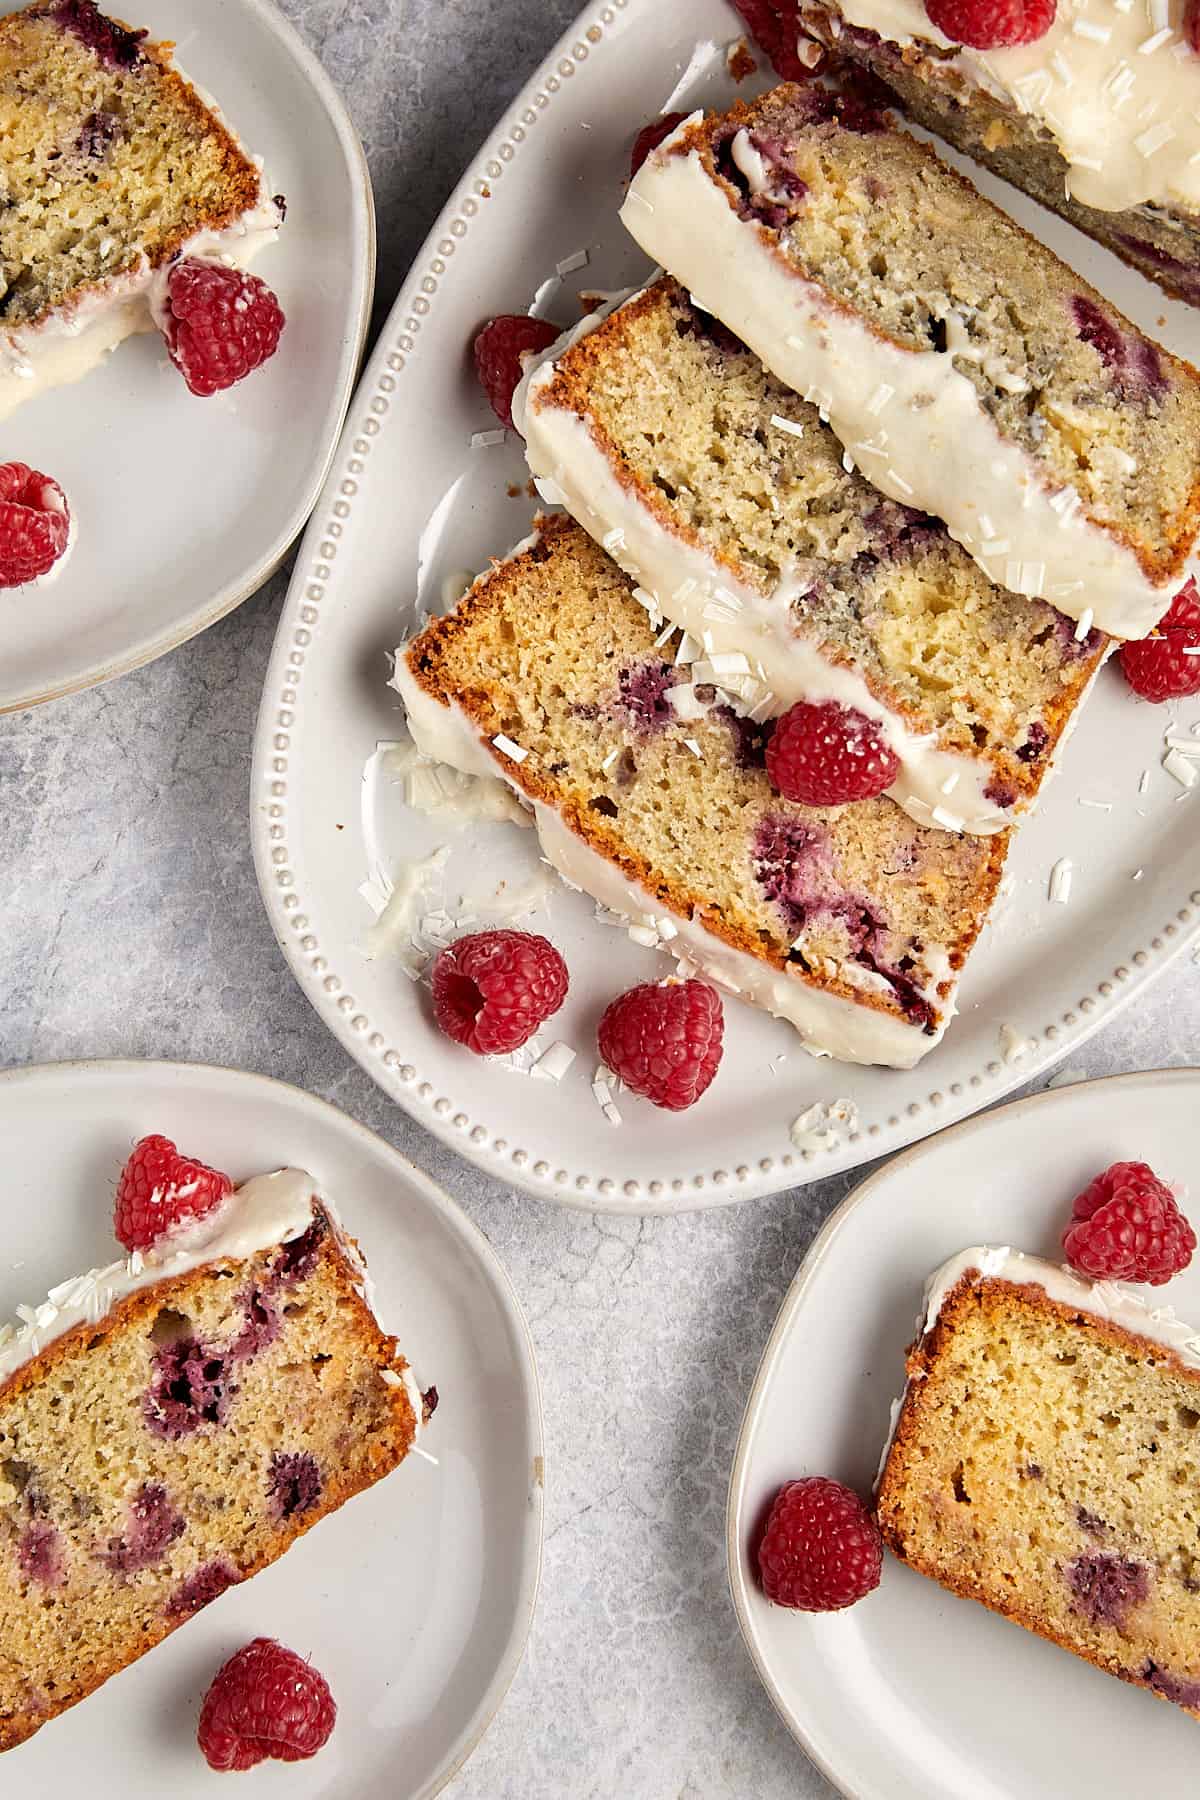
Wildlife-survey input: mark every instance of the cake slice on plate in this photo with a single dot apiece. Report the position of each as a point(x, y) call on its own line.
point(1045, 1462)
point(649, 792)
point(964, 368)
point(172, 1423)
point(732, 506)
point(112, 167)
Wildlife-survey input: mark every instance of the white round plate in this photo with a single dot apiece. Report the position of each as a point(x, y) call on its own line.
point(409, 501)
point(914, 1694)
point(185, 506)
point(415, 1599)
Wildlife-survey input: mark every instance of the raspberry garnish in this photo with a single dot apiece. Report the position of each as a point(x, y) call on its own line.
point(160, 1192)
point(265, 1702)
point(775, 27)
point(650, 137)
point(500, 350)
point(821, 1548)
point(991, 24)
point(493, 989)
point(34, 523)
point(664, 1042)
point(1191, 24)
point(824, 755)
point(1159, 667)
point(219, 324)
point(1126, 1226)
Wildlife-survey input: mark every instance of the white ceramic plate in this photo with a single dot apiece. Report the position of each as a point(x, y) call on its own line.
point(914, 1694)
point(185, 506)
point(409, 501)
point(415, 1599)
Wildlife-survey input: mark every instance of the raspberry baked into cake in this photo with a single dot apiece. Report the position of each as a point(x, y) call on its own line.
point(112, 170)
point(649, 792)
point(725, 497)
point(172, 1423)
point(967, 370)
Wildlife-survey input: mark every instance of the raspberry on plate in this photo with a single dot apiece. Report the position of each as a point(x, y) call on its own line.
point(500, 351)
point(650, 137)
point(1127, 1226)
point(992, 24)
point(1190, 24)
point(160, 1193)
point(219, 323)
point(35, 523)
point(776, 28)
point(265, 1702)
point(821, 1549)
point(664, 1042)
point(1159, 667)
point(493, 989)
point(827, 754)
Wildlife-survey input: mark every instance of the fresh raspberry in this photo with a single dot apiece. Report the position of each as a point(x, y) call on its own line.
point(221, 324)
point(1159, 667)
point(990, 24)
point(160, 1191)
point(824, 755)
point(821, 1548)
point(1191, 24)
point(664, 1042)
point(265, 1702)
point(1126, 1226)
point(499, 349)
point(775, 27)
point(650, 137)
point(34, 523)
point(493, 989)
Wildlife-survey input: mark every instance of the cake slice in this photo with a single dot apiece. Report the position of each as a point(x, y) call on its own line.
point(850, 922)
point(729, 501)
point(111, 167)
point(168, 1428)
point(965, 368)
point(1045, 1462)
point(1102, 125)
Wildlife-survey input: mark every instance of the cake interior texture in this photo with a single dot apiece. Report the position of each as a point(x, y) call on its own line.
point(910, 247)
point(688, 418)
point(552, 651)
point(178, 1446)
point(108, 158)
point(1047, 1463)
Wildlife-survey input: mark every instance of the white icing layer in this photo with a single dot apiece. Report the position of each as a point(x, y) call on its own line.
point(696, 592)
point(947, 455)
point(1120, 97)
point(828, 1024)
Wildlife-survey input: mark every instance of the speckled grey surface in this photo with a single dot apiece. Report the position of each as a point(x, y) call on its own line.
point(130, 925)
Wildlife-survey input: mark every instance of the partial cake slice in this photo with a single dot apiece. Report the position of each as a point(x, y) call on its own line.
point(170, 1428)
point(1102, 125)
point(1046, 1460)
point(731, 504)
point(851, 922)
point(965, 369)
point(111, 167)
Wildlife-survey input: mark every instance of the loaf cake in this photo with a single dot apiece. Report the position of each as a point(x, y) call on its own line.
point(169, 1428)
point(111, 167)
point(1061, 447)
point(729, 502)
point(648, 792)
point(1045, 1462)
point(1101, 124)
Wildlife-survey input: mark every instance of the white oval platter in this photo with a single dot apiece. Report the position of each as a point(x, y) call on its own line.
point(415, 1599)
point(411, 501)
point(185, 506)
point(914, 1694)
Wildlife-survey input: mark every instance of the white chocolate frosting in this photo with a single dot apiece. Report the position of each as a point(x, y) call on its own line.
point(828, 1024)
point(1115, 84)
point(943, 453)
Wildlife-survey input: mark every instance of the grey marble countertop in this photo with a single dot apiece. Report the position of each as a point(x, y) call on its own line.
point(130, 925)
